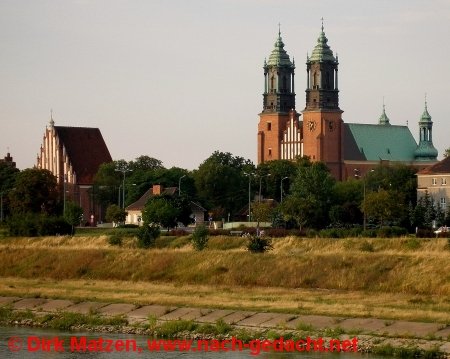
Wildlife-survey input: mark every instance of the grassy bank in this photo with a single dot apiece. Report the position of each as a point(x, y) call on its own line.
point(402, 278)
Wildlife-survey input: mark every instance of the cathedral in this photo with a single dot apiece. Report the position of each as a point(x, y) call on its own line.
point(321, 134)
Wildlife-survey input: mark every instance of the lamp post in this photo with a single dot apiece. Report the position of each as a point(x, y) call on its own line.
point(124, 171)
point(260, 179)
point(358, 176)
point(281, 188)
point(249, 193)
point(179, 184)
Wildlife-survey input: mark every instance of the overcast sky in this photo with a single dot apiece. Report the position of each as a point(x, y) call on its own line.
point(177, 80)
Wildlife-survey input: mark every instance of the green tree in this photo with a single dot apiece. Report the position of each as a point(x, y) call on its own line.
point(8, 175)
point(35, 191)
point(447, 152)
point(147, 235)
point(383, 205)
point(313, 192)
point(73, 214)
point(161, 211)
point(278, 169)
point(221, 181)
point(115, 214)
point(200, 238)
point(261, 212)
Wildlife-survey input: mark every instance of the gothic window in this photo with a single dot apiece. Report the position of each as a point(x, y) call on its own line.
point(270, 152)
point(272, 82)
point(284, 83)
point(327, 80)
point(315, 80)
point(269, 126)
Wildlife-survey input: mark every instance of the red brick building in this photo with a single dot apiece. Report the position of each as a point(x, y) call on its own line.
point(322, 134)
point(74, 155)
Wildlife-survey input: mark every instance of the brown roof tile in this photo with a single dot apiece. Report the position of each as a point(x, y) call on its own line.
point(440, 167)
point(86, 150)
point(140, 203)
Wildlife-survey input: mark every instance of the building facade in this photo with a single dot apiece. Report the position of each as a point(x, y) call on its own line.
point(435, 180)
point(74, 155)
point(322, 135)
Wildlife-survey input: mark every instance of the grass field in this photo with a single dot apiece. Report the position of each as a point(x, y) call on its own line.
point(401, 278)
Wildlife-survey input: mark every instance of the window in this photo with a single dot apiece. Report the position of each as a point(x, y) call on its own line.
point(434, 181)
point(443, 203)
point(444, 181)
point(269, 126)
point(270, 152)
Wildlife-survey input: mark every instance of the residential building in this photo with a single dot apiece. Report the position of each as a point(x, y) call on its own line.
point(435, 180)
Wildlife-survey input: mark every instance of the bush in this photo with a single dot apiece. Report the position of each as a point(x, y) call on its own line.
point(425, 233)
point(115, 240)
point(259, 244)
point(33, 225)
point(147, 236)
point(200, 238)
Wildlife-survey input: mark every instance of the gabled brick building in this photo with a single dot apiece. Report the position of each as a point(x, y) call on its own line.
point(322, 134)
point(74, 155)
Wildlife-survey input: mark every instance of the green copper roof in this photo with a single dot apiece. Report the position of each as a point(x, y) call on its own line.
point(322, 51)
point(375, 142)
point(383, 120)
point(279, 56)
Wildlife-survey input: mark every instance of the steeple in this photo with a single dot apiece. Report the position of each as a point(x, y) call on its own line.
point(425, 150)
point(52, 123)
point(279, 95)
point(322, 76)
point(383, 120)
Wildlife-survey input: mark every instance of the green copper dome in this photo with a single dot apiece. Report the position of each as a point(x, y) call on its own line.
point(279, 56)
point(425, 118)
point(383, 120)
point(425, 152)
point(322, 51)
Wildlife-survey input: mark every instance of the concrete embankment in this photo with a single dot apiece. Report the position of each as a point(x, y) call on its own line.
point(372, 333)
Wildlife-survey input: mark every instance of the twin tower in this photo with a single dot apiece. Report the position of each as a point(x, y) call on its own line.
point(320, 135)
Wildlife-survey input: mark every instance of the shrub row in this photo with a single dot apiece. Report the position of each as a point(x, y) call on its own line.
point(33, 225)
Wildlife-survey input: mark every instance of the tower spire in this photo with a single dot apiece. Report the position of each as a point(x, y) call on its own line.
point(322, 23)
point(52, 123)
point(383, 120)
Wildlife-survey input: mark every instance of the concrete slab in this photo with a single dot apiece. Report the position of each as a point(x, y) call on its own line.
point(8, 300)
point(195, 314)
point(279, 320)
point(235, 317)
point(315, 321)
point(415, 329)
point(445, 348)
point(214, 316)
point(257, 319)
point(150, 310)
point(55, 305)
point(86, 307)
point(443, 333)
point(29, 303)
point(177, 314)
point(364, 324)
point(116, 309)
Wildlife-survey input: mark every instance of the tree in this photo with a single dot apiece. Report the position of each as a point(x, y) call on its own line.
point(147, 235)
point(221, 181)
point(115, 214)
point(73, 214)
point(312, 191)
point(261, 212)
point(447, 152)
point(35, 191)
point(161, 211)
point(200, 238)
point(145, 163)
point(383, 205)
point(278, 169)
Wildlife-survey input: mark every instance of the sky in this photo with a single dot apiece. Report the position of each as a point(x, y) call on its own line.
point(179, 79)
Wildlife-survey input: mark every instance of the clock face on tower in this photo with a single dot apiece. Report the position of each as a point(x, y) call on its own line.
point(311, 125)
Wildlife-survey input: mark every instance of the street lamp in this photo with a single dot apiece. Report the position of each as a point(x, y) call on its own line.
point(179, 184)
point(124, 171)
point(249, 193)
point(281, 187)
point(260, 179)
point(358, 176)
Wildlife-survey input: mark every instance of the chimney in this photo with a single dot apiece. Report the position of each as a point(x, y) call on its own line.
point(157, 189)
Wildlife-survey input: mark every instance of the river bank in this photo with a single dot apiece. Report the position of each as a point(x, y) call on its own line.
point(408, 339)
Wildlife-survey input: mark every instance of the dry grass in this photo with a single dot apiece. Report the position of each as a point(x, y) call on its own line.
point(400, 278)
point(302, 301)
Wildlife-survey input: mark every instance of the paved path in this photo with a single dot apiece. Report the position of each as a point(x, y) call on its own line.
point(440, 333)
